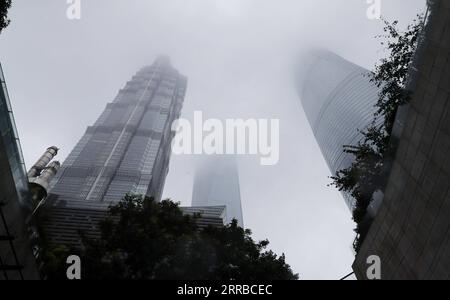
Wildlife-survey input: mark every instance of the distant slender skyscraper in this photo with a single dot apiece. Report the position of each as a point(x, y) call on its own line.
point(338, 99)
point(216, 183)
point(126, 151)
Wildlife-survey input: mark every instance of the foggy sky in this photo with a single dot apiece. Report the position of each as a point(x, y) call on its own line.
point(239, 57)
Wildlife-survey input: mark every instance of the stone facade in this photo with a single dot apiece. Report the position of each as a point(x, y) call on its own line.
point(411, 233)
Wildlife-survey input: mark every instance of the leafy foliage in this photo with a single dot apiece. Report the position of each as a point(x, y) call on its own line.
point(391, 74)
point(144, 239)
point(369, 172)
point(4, 21)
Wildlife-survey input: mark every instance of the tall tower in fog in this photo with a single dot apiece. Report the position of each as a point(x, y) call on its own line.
point(338, 99)
point(127, 150)
point(216, 183)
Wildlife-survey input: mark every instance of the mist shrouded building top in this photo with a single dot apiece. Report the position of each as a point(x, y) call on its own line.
point(338, 99)
point(127, 150)
point(216, 183)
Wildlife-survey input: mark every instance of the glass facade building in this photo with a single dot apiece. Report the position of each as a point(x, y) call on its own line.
point(17, 260)
point(128, 148)
point(11, 143)
point(339, 101)
point(216, 183)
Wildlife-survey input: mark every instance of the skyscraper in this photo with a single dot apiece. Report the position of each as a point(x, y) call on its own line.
point(216, 183)
point(338, 99)
point(127, 150)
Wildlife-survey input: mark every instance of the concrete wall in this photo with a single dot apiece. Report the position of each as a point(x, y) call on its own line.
point(411, 233)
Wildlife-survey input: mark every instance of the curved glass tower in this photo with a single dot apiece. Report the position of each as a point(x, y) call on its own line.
point(338, 99)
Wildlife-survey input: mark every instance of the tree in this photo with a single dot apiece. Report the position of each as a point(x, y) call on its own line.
point(369, 171)
point(4, 21)
point(144, 239)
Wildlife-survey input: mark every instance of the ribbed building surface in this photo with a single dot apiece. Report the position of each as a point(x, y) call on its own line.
point(338, 99)
point(64, 224)
point(127, 150)
point(214, 216)
point(216, 183)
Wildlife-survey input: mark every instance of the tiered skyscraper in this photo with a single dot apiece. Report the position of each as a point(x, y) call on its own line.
point(216, 183)
point(126, 151)
point(338, 99)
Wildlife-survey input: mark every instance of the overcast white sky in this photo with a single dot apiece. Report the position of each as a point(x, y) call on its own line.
point(239, 57)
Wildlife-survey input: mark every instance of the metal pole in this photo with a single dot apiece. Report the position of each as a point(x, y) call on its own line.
point(352, 273)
